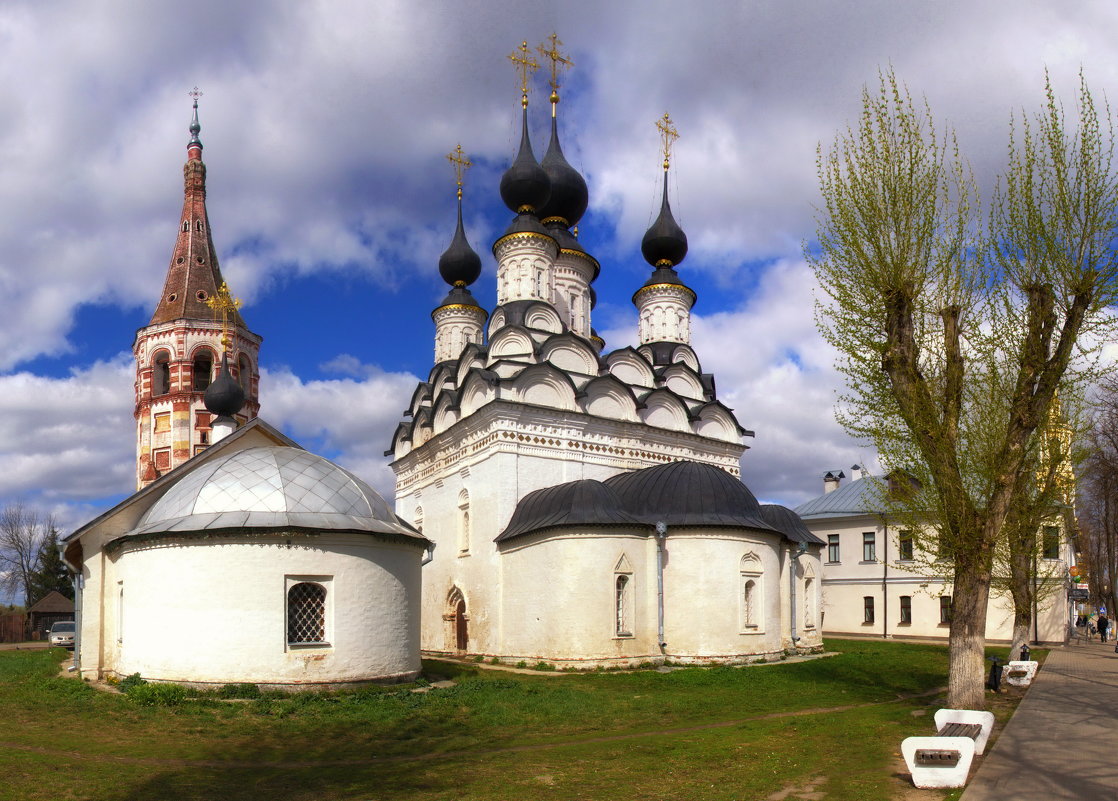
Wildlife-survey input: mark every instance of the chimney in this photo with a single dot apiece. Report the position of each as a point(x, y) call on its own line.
point(856, 472)
point(831, 480)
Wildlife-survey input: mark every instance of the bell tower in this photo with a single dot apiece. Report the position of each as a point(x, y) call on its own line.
point(178, 354)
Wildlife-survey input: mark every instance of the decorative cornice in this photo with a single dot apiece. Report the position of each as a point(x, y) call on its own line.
point(543, 239)
point(674, 288)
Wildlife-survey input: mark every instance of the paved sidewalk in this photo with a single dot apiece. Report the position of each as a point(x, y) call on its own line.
point(1062, 742)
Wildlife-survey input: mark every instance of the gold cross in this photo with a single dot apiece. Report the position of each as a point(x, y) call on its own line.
point(460, 163)
point(195, 93)
point(224, 303)
point(558, 61)
point(525, 65)
point(668, 135)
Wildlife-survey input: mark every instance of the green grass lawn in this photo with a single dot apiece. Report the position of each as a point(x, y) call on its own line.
point(718, 733)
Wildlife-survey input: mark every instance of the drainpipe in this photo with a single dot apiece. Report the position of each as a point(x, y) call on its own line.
point(79, 584)
point(428, 555)
point(801, 549)
point(661, 535)
point(885, 584)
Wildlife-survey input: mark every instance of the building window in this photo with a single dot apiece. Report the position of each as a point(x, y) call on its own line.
point(1050, 545)
point(833, 548)
point(623, 604)
point(906, 609)
point(809, 602)
point(904, 546)
point(944, 609)
point(306, 614)
point(244, 374)
point(161, 373)
point(869, 546)
point(203, 370)
point(162, 423)
point(463, 523)
point(162, 459)
point(867, 609)
point(751, 595)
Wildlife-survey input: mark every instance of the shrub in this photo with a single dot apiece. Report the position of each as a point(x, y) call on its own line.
point(128, 682)
point(157, 694)
point(543, 666)
point(240, 690)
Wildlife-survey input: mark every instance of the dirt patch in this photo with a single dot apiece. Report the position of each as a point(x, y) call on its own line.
point(805, 790)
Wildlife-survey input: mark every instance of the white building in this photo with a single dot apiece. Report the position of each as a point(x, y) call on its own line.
point(541, 466)
point(255, 561)
point(242, 558)
point(876, 583)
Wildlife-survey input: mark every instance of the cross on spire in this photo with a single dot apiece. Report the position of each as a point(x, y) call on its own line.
point(668, 135)
point(223, 303)
point(524, 64)
point(460, 163)
point(195, 93)
point(559, 61)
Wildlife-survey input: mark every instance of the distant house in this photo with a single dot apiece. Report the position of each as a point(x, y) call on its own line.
point(51, 608)
point(875, 583)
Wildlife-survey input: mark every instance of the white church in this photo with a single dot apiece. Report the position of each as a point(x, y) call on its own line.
point(554, 503)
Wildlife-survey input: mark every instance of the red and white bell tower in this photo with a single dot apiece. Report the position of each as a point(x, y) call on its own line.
point(178, 354)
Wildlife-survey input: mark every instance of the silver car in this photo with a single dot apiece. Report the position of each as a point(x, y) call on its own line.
point(62, 634)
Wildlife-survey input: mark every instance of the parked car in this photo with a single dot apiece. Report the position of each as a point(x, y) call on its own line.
point(62, 634)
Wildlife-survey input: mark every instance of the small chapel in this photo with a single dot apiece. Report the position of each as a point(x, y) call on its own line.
point(242, 557)
point(586, 506)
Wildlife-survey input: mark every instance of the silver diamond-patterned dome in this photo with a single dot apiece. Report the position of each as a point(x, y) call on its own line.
point(271, 487)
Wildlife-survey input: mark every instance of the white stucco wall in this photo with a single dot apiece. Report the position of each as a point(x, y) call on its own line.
point(199, 609)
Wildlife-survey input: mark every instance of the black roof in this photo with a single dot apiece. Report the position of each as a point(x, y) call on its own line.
point(584, 502)
point(789, 524)
point(677, 493)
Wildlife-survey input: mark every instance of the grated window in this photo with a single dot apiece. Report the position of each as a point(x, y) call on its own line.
point(306, 613)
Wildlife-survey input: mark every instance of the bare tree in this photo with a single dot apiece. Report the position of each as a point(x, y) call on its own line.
point(22, 533)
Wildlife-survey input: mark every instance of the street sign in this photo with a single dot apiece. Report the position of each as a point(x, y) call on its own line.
point(1079, 595)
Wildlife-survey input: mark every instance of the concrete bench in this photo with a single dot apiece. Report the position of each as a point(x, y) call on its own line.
point(1019, 674)
point(944, 760)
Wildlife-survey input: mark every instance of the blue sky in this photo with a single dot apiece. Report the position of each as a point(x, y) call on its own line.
point(325, 127)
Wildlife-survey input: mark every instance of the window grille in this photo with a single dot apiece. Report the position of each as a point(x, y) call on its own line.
point(306, 613)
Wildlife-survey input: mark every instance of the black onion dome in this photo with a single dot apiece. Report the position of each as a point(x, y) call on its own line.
point(525, 224)
point(665, 240)
point(563, 238)
point(525, 185)
point(459, 296)
point(224, 397)
point(688, 494)
point(459, 264)
point(569, 195)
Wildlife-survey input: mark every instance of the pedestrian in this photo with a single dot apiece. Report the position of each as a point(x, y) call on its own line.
point(1103, 625)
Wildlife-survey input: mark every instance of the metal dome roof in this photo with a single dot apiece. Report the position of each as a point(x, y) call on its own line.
point(271, 487)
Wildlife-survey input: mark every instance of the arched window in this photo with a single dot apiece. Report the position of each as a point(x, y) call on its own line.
point(463, 523)
point(623, 603)
point(306, 613)
point(751, 602)
point(203, 370)
point(161, 373)
point(244, 373)
point(809, 599)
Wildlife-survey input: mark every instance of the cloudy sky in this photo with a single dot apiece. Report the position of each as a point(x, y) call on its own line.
point(325, 127)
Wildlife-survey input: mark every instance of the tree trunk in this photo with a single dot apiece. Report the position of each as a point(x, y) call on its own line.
point(1022, 577)
point(966, 679)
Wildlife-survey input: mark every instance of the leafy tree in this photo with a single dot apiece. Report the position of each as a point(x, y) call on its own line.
point(955, 343)
point(50, 571)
